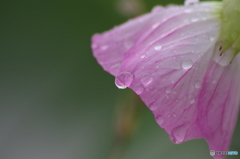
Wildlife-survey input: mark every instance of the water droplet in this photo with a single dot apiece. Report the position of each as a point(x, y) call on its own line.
point(153, 106)
point(214, 81)
point(179, 132)
point(187, 64)
point(124, 80)
point(197, 84)
point(160, 120)
point(174, 115)
point(146, 80)
point(176, 100)
point(168, 115)
point(143, 56)
point(190, 2)
point(168, 90)
point(192, 101)
point(211, 38)
point(104, 47)
point(138, 89)
point(158, 47)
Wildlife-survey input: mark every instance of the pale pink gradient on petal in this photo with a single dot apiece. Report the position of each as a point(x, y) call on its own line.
point(170, 58)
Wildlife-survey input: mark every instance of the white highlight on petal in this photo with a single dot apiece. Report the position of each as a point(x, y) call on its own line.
point(158, 47)
point(104, 47)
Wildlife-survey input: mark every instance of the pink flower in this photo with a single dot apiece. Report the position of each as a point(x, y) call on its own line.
point(172, 59)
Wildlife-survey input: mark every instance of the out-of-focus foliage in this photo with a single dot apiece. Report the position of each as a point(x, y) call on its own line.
point(56, 102)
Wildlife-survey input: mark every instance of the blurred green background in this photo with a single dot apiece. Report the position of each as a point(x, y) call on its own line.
point(56, 102)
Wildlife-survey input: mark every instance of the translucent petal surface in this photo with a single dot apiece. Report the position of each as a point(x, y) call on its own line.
point(166, 58)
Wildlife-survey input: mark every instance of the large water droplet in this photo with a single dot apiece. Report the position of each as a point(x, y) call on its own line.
point(124, 80)
point(197, 84)
point(158, 47)
point(190, 2)
point(187, 64)
point(146, 80)
point(179, 132)
point(160, 120)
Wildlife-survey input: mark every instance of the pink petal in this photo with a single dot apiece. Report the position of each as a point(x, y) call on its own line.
point(219, 104)
point(166, 57)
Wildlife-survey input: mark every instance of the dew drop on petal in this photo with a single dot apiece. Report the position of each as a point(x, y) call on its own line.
point(143, 56)
point(187, 63)
point(138, 89)
point(124, 80)
point(174, 115)
point(168, 90)
point(211, 38)
point(179, 132)
point(158, 47)
point(197, 84)
point(146, 80)
point(192, 101)
point(153, 107)
point(160, 120)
